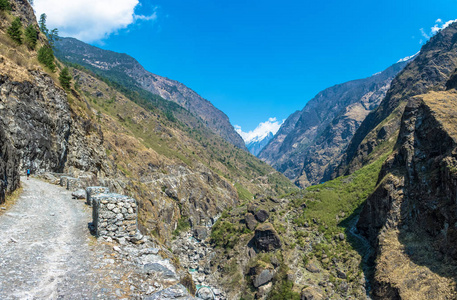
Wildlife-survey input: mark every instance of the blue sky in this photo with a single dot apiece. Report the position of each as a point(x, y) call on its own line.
point(255, 60)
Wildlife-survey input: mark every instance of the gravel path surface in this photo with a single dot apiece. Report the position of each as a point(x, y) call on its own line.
point(44, 245)
point(47, 252)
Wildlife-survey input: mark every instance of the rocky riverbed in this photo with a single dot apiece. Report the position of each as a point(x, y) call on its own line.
point(196, 256)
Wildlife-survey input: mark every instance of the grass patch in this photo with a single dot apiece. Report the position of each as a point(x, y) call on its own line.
point(328, 202)
point(183, 225)
point(243, 193)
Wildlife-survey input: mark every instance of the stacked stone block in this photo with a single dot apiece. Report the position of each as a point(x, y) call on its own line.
point(91, 191)
point(64, 180)
point(74, 184)
point(114, 215)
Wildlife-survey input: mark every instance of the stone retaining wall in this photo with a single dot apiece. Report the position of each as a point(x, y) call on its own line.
point(91, 191)
point(114, 215)
point(64, 180)
point(75, 183)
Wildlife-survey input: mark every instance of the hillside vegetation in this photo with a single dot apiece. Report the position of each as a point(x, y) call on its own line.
point(136, 142)
point(320, 243)
point(166, 152)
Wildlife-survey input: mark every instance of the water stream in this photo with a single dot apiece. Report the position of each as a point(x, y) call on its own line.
point(365, 250)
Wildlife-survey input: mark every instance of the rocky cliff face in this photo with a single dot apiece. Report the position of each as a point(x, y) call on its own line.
point(30, 115)
point(311, 143)
point(37, 127)
point(410, 218)
point(42, 128)
point(126, 71)
point(9, 167)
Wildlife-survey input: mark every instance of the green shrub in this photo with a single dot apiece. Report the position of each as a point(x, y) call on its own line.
point(65, 78)
point(15, 30)
point(46, 57)
point(283, 291)
point(225, 235)
point(5, 5)
point(31, 37)
point(183, 225)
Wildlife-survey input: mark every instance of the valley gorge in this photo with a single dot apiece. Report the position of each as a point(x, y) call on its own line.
point(311, 143)
point(364, 206)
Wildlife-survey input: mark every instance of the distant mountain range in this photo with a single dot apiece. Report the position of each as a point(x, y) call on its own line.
point(126, 71)
point(311, 142)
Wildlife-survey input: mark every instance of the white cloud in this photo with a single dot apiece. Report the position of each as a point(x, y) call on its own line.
point(90, 20)
point(439, 25)
point(425, 35)
point(262, 130)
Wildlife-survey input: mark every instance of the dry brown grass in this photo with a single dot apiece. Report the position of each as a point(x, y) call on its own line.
point(444, 107)
point(11, 199)
point(413, 280)
point(20, 60)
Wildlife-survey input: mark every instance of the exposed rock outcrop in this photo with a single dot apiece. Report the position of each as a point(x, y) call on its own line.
point(31, 112)
point(264, 277)
point(9, 167)
point(266, 238)
point(412, 207)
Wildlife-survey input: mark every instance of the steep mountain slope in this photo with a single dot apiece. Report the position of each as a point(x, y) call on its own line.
point(429, 71)
point(181, 172)
point(256, 145)
point(311, 142)
point(410, 217)
point(388, 227)
point(126, 71)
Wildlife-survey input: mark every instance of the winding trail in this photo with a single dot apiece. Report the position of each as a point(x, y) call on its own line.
point(47, 251)
point(44, 245)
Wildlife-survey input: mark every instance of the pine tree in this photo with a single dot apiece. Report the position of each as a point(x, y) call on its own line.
point(42, 24)
point(31, 37)
point(53, 37)
point(5, 5)
point(46, 57)
point(65, 78)
point(15, 30)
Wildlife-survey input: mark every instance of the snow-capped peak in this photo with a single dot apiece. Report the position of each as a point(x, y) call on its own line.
point(261, 132)
point(408, 58)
